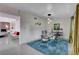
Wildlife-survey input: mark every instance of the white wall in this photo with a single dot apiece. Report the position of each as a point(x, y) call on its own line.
point(64, 24)
point(30, 31)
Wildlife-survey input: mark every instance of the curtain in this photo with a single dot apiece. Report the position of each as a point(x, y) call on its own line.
point(71, 29)
point(76, 31)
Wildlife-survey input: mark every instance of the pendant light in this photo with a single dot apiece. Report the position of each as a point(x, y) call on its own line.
point(49, 18)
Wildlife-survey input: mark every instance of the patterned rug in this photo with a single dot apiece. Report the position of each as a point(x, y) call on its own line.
point(52, 47)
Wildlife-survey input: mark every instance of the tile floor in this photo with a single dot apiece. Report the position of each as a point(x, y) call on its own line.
point(20, 50)
point(10, 46)
point(8, 42)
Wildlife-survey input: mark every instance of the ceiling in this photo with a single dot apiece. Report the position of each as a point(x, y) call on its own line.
point(58, 10)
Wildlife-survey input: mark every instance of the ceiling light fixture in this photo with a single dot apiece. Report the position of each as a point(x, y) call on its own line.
point(49, 18)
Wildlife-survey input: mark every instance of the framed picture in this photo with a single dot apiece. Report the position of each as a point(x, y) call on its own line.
point(56, 26)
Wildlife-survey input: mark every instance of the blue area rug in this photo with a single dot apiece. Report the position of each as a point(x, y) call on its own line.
point(52, 47)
